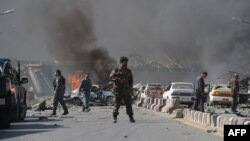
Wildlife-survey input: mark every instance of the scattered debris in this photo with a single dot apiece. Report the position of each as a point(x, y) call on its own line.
point(43, 118)
point(211, 131)
point(67, 116)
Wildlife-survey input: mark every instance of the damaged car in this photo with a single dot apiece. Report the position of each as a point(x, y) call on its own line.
point(97, 95)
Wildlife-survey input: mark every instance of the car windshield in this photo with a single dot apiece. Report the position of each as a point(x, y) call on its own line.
point(224, 86)
point(182, 86)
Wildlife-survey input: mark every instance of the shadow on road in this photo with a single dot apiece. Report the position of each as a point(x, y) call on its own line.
point(25, 128)
point(13, 134)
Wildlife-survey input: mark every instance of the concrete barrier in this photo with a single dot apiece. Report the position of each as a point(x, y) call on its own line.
point(171, 104)
point(153, 104)
point(197, 117)
point(145, 102)
point(159, 103)
point(162, 105)
point(217, 121)
point(151, 101)
point(139, 103)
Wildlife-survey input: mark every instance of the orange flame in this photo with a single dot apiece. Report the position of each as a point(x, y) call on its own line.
point(75, 79)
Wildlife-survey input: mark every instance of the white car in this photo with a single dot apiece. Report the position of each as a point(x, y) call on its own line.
point(152, 90)
point(180, 90)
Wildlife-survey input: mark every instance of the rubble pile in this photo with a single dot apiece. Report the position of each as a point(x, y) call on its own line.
point(41, 103)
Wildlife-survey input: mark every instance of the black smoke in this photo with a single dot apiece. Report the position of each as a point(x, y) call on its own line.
point(72, 42)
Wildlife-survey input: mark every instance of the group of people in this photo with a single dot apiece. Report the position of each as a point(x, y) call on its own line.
point(200, 92)
point(59, 90)
point(122, 79)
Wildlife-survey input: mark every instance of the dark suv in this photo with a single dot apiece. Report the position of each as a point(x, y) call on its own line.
point(12, 93)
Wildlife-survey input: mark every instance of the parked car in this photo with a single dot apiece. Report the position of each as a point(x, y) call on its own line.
point(12, 93)
point(220, 94)
point(152, 90)
point(180, 90)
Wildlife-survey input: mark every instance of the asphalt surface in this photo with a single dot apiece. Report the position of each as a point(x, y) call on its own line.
point(97, 125)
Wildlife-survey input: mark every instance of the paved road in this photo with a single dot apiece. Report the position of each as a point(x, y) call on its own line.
point(97, 126)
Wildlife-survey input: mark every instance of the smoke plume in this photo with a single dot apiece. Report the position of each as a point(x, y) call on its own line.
point(198, 31)
point(71, 41)
point(186, 30)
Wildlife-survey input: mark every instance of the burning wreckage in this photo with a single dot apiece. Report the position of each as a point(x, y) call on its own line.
point(99, 94)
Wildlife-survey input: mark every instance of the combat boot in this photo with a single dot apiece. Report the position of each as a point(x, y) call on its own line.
point(114, 118)
point(131, 119)
point(83, 109)
point(65, 113)
point(53, 113)
point(87, 109)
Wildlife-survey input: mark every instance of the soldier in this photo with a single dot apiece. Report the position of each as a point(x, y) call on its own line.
point(59, 90)
point(199, 92)
point(235, 86)
point(122, 79)
point(85, 89)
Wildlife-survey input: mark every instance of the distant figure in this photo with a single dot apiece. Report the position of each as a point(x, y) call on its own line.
point(85, 89)
point(59, 90)
point(122, 79)
point(235, 86)
point(199, 92)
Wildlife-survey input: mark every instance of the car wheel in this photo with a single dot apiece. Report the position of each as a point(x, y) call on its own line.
point(15, 114)
point(190, 105)
point(22, 112)
point(5, 121)
point(109, 101)
point(77, 102)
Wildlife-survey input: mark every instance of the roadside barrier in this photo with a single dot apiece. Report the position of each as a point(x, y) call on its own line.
point(171, 104)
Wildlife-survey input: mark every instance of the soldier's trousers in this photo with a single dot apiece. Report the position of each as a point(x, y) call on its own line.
point(235, 102)
point(86, 99)
point(61, 101)
point(118, 101)
point(199, 103)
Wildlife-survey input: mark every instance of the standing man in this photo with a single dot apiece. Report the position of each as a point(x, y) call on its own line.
point(235, 86)
point(199, 92)
point(122, 79)
point(59, 90)
point(85, 89)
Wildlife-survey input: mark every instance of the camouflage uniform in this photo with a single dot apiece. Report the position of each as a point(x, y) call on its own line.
point(235, 86)
point(122, 79)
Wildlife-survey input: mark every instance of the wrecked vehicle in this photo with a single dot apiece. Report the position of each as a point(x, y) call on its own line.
point(244, 93)
point(97, 95)
point(12, 94)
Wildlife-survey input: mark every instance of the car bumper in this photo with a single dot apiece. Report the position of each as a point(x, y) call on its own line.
point(216, 99)
point(184, 100)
